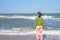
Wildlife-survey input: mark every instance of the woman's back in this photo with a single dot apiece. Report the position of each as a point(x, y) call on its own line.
point(39, 22)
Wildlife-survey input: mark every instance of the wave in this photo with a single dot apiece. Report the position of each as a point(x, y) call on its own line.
point(10, 32)
point(17, 31)
point(25, 17)
point(29, 17)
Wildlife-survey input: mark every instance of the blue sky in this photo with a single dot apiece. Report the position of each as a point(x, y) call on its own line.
point(29, 6)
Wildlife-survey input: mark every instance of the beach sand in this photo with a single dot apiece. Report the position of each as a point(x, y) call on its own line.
point(28, 37)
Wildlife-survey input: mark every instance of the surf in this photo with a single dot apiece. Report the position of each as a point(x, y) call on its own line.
point(47, 32)
point(28, 17)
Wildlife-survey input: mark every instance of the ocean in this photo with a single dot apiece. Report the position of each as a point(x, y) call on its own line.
point(25, 22)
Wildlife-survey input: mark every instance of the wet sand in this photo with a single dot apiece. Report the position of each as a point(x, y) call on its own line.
point(28, 37)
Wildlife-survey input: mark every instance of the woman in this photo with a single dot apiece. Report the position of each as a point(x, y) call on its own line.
point(39, 25)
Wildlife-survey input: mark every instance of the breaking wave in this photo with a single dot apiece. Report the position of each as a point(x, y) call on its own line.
point(28, 17)
point(12, 32)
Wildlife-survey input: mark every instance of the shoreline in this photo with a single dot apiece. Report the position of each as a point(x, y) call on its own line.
point(47, 35)
point(46, 32)
point(29, 37)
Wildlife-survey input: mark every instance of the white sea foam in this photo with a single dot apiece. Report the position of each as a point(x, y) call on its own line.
point(2, 16)
point(28, 17)
point(51, 32)
point(25, 17)
point(15, 32)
